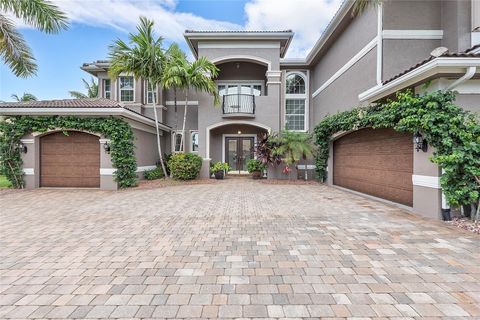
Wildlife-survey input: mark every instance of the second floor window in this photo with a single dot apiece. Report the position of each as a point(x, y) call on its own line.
point(107, 89)
point(244, 88)
point(295, 102)
point(127, 89)
point(150, 94)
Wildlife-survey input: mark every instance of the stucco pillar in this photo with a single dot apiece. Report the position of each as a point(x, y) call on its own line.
point(427, 193)
point(107, 181)
point(30, 158)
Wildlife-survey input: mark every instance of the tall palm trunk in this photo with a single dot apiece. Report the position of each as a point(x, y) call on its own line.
point(176, 108)
point(182, 140)
point(159, 146)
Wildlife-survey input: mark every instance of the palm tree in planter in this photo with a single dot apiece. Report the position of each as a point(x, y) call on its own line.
point(197, 75)
point(175, 64)
point(293, 147)
point(142, 57)
point(92, 90)
point(24, 97)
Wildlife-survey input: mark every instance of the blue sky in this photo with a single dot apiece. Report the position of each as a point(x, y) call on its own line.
point(94, 24)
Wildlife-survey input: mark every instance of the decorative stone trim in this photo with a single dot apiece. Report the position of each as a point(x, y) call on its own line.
point(426, 181)
point(28, 171)
point(25, 141)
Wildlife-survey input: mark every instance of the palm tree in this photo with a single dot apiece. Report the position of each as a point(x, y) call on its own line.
point(144, 58)
point(92, 90)
point(361, 5)
point(14, 50)
point(294, 146)
point(197, 75)
point(175, 64)
point(25, 97)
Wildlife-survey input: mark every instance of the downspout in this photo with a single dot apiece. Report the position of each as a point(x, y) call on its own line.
point(467, 76)
point(379, 45)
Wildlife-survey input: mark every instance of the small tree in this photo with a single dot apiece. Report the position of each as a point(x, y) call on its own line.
point(92, 90)
point(143, 57)
point(293, 147)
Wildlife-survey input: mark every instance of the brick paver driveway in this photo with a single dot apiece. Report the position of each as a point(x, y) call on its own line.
point(236, 248)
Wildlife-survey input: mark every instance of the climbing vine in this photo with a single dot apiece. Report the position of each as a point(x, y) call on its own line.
point(452, 131)
point(13, 128)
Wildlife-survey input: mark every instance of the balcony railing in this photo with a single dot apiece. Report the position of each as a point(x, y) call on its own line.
point(238, 103)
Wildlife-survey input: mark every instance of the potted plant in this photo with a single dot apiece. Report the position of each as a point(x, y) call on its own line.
point(255, 167)
point(219, 169)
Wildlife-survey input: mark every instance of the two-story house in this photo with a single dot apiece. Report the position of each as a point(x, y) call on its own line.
point(358, 60)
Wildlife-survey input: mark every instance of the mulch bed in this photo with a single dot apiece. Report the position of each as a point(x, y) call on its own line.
point(465, 224)
point(162, 183)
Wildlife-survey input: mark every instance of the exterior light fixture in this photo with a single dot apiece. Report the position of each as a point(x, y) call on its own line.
point(237, 65)
point(106, 147)
point(419, 142)
point(239, 132)
point(23, 148)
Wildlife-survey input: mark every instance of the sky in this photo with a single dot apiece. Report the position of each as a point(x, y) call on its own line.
point(95, 24)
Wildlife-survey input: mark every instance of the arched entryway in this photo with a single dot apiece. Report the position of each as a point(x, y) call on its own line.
point(233, 142)
point(378, 162)
point(71, 160)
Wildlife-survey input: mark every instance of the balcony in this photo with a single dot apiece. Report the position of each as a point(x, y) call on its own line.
point(238, 105)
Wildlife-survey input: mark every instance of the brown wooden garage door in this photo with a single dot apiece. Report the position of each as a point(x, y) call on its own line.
point(70, 161)
point(377, 162)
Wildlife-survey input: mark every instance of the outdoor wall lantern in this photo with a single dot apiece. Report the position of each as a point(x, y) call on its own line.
point(419, 142)
point(106, 147)
point(23, 148)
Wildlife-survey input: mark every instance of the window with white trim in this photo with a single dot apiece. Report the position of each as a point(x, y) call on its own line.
point(107, 88)
point(176, 141)
point(150, 93)
point(127, 89)
point(295, 102)
point(240, 88)
point(194, 141)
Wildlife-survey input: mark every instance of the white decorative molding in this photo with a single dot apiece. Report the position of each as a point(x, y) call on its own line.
point(104, 141)
point(379, 45)
point(181, 103)
point(28, 171)
point(413, 34)
point(238, 45)
point(145, 168)
point(273, 82)
point(241, 57)
point(107, 171)
point(27, 141)
point(426, 181)
point(308, 166)
point(475, 38)
point(270, 73)
point(347, 66)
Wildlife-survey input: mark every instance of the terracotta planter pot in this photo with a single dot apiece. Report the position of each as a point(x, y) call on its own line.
point(219, 175)
point(256, 174)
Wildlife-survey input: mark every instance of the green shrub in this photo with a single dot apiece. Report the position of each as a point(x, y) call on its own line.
point(185, 166)
point(255, 165)
point(153, 174)
point(219, 166)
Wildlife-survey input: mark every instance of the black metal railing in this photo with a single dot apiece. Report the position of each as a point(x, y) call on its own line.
point(238, 103)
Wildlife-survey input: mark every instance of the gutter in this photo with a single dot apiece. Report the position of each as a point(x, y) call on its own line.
point(417, 75)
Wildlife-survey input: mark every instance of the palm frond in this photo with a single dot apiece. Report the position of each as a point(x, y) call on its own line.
point(40, 14)
point(15, 51)
point(77, 95)
point(361, 5)
point(25, 97)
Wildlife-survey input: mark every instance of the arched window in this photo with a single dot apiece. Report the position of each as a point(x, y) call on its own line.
point(295, 102)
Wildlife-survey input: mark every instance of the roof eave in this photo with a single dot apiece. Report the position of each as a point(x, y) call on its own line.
point(87, 111)
point(453, 65)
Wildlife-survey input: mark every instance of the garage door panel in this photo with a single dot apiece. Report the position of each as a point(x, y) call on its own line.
point(70, 161)
point(378, 162)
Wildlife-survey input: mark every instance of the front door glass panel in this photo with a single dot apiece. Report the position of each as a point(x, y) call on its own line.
point(238, 151)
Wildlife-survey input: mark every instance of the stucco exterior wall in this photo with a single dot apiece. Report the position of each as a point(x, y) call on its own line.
point(456, 24)
point(412, 15)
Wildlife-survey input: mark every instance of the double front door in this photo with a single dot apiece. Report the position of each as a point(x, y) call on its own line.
point(238, 150)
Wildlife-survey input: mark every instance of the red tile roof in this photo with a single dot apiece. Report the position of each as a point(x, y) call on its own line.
point(64, 103)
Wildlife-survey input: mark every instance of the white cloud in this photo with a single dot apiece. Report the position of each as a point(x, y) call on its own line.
point(123, 15)
point(307, 18)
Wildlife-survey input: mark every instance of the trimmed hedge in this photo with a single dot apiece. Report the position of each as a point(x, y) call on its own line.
point(153, 174)
point(185, 166)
